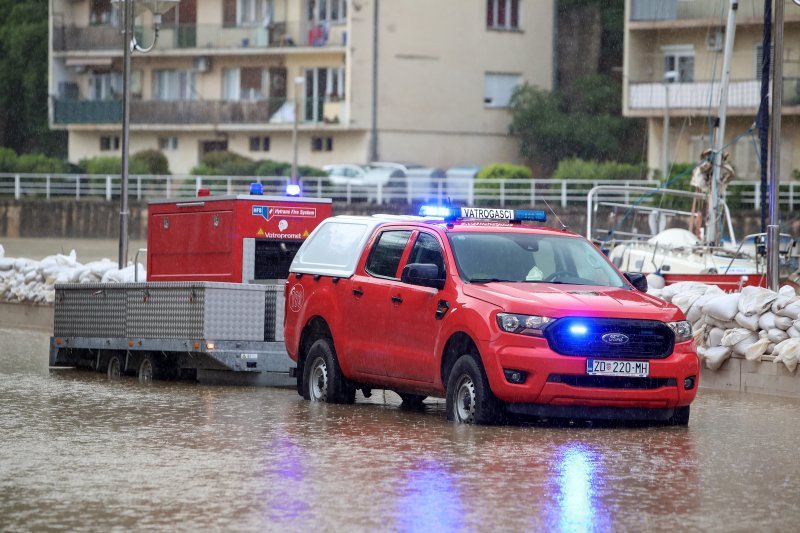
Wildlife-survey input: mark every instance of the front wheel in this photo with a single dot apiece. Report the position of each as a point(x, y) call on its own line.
point(146, 370)
point(114, 367)
point(469, 398)
point(322, 377)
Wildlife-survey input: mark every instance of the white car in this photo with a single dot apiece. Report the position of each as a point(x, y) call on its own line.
point(367, 178)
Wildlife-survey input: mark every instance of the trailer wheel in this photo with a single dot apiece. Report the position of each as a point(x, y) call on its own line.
point(469, 398)
point(114, 366)
point(322, 377)
point(146, 370)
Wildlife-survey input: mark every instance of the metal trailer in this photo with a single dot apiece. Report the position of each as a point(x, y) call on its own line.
point(208, 331)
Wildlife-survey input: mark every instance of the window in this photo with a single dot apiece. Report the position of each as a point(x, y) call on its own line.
point(327, 11)
point(174, 85)
point(259, 144)
point(322, 85)
point(385, 256)
point(168, 143)
point(321, 144)
point(105, 85)
point(427, 250)
point(244, 84)
point(246, 13)
point(502, 14)
point(101, 13)
point(109, 143)
point(678, 63)
point(206, 147)
point(498, 88)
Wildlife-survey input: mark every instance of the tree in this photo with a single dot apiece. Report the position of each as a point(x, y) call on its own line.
point(23, 80)
point(551, 128)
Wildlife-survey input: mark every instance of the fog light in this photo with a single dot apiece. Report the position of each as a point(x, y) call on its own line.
point(688, 383)
point(515, 376)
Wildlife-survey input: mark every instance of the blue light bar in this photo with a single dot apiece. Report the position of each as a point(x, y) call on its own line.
point(482, 213)
point(438, 211)
point(530, 214)
point(293, 189)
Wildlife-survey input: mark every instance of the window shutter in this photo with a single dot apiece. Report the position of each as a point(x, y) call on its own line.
point(229, 13)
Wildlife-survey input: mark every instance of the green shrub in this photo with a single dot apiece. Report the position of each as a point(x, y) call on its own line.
point(269, 167)
point(112, 165)
point(504, 171)
point(225, 164)
point(487, 188)
point(580, 169)
point(40, 164)
point(153, 160)
point(8, 160)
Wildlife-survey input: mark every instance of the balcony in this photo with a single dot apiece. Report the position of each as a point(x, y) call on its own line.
point(695, 97)
point(208, 37)
point(656, 14)
point(272, 111)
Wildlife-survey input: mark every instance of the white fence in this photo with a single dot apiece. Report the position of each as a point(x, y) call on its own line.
point(745, 194)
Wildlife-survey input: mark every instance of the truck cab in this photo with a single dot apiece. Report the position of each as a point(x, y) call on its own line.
point(487, 311)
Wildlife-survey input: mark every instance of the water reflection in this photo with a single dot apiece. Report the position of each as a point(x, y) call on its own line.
point(577, 475)
point(429, 499)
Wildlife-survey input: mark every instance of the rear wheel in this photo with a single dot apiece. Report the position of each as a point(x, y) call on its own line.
point(469, 398)
point(322, 377)
point(114, 367)
point(146, 370)
point(680, 416)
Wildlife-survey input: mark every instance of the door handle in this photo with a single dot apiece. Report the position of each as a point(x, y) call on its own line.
point(358, 292)
point(397, 299)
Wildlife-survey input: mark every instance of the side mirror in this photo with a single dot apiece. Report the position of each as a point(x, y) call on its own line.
point(423, 274)
point(638, 280)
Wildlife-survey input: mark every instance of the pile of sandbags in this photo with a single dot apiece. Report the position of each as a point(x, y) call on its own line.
point(751, 323)
point(26, 280)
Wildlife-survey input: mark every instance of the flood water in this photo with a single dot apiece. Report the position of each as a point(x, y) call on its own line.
point(79, 452)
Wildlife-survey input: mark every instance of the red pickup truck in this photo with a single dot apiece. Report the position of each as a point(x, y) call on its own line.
point(495, 315)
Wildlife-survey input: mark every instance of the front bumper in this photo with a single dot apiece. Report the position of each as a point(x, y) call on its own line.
point(557, 380)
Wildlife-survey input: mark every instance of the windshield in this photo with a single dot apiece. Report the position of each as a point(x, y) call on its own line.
point(527, 257)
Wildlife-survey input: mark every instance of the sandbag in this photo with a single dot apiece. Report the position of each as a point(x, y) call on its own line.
point(756, 350)
point(767, 321)
point(770, 348)
point(793, 333)
point(694, 314)
point(741, 347)
point(792, 310)
point(749, 322)
point(724, 307)
point(788, 352)
point(777, 335)
point(716, 356)
point(736, 335)
point(783, 322)
point(780, 302)
point(755, 300)
point(655, 281)
point(715, 337)
point(683, 287)
point(787, 290)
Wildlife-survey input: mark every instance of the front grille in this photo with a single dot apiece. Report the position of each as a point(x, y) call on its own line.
point(611, 382)
point(649, 339)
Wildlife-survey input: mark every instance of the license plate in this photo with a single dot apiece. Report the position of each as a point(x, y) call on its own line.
point(604, 367)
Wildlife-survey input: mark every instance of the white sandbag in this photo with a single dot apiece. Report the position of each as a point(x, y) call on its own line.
point(716, 356)
point(715, 337)
point(792, 310)
point(655, 281)
point(684, 301)
point(694, 314)
point(755, 300)
point(711, 292)
point(683, 287)
point(793, 333)
point(655, 292)
point(741, 347)
point(756, 350)
point(701, 353)
point(788, 352)
point(6, 264)
point(783, 322)
point(770, 348)
point(777, 335)
point(767, 321)
point(724, 307)
point(714, 323)
point(736, 335)
point(126, 275)
point(787, 290)
point(749, 322)
point(780, 302)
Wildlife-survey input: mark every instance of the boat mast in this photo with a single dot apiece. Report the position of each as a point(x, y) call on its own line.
point(775, 152)
point(713, 217)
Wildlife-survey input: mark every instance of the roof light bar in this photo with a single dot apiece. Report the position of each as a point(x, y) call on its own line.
point(482, 213)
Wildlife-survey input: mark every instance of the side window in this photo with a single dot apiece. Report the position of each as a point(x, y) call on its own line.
point(427, 250)
point(385, 255)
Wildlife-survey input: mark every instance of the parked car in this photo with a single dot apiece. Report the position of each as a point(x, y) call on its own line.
point(381, 184)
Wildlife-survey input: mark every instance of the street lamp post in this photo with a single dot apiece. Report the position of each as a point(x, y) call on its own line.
point(299, 82)
point(132, 9)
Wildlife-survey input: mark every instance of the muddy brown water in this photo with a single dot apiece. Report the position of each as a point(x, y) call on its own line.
point(79, 452)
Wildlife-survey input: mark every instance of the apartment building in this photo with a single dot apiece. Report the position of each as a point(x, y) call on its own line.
point(404, 80)
point(672, 71)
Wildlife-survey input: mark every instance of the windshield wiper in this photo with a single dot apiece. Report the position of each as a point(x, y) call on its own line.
point(492, 280)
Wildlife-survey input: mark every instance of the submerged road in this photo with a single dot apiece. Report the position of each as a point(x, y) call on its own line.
point(80, 452)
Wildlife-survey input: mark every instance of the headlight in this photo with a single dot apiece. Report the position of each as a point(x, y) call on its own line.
point(682, 330)
point(522, 324)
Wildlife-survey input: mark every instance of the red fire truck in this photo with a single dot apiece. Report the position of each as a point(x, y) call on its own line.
point(494, 315)
point(213, 299)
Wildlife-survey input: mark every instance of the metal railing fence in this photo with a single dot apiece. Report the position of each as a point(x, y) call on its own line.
point(505, 193)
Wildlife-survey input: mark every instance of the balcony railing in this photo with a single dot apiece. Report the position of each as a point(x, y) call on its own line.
point(705, 94)
point(665, 10)
point(267, 111)
point(204, 36)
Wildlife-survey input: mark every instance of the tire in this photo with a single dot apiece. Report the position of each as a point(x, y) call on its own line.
point(680, 416)
point(411, 401)
point(469, 398)
point(114, 366)
point(146, 370)
point(322, 377)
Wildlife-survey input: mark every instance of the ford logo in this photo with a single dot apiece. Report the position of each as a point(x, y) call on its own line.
point(615, 339)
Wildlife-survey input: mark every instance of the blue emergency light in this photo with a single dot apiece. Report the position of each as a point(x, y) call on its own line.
point(256, 188)
point(482, 213)
point(293, 189)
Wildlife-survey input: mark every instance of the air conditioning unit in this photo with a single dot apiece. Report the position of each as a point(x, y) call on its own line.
point(714, 39)
point(202, 63)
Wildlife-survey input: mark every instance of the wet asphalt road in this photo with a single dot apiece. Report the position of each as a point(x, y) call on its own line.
point(79, 452)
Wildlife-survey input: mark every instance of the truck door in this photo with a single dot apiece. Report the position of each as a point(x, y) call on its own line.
point(414, 321)
point(370, 306)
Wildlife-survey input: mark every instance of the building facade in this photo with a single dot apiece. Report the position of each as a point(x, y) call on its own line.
point(393, 80)
point(672, 70)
